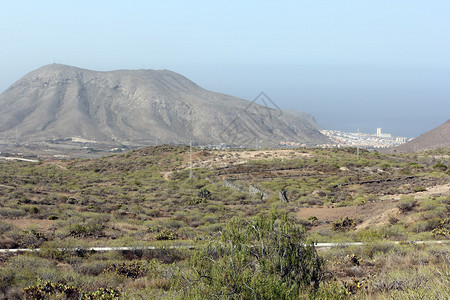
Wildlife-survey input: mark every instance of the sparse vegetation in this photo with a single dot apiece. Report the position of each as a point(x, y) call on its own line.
point(146, 197)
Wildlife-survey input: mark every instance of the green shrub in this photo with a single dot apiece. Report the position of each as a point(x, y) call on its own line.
point(442, 228)
point(379, 248)
point(166, 235)
point(420, 283)
point(24, 269)
point(425, 225)
point(169, 223)
point(31, 209)
point(261, 259)
point(62, 249)
point(419, 189)
point(369, 235)
point(6, 280)
point(196, 200)
point(204, 194)
point(153, 213)
point(312, 219)
point(52, 290)
point(102, 293)
point(92, 268)
point(5, 227)
point(7, 212)
point(47, 289)
point(130, 270)
point(440, 167)
point(407, 204)
point(92, 228)
point(344, 224)
point(394, 231)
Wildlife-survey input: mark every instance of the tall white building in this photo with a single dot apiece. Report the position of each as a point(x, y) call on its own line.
point(383, 135)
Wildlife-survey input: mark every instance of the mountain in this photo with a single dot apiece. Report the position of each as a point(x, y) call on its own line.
point(140, 107)
point(436, 138)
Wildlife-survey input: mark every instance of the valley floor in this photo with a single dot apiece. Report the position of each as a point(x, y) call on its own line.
point(146, 197)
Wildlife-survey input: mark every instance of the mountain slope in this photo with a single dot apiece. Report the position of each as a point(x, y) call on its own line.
point(436, 138)
point(139, 107)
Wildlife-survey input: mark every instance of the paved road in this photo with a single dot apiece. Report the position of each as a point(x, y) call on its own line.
point(106, 249)
point(19, 158)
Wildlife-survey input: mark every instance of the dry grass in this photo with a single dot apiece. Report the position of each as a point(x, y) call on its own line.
point(41, 224)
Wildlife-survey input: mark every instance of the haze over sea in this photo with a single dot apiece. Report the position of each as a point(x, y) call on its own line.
point(403, 101)
point(351, 64)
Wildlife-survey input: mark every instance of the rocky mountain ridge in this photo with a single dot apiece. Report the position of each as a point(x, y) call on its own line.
point(141, 107)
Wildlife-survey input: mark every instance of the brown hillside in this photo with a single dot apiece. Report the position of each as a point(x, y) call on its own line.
point(139, 107)
point(436, 138)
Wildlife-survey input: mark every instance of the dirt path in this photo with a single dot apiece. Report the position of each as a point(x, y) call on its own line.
point(361, 212)
point(438, 190)
point(222, 158)
point(203, 159)
point(369, 214)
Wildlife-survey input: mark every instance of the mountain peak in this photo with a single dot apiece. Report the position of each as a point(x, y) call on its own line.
point(138, 107)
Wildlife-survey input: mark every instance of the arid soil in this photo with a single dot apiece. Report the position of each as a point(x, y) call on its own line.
point(369, 214)
point(202, 159)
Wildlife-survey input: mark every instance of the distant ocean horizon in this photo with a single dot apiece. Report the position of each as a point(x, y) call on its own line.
point(398, 128)
point(405, 101)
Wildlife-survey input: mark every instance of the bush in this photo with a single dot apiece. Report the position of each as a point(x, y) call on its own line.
point(204, 194)
point(132, 270)
point(44, 290)
point(420, 283)
point(442, 228)
point(344, 224)
point(379, 248)
point(425, 225)
point(58, 249)
point(93, 268)
point(52, 290)
point(440, 167)
point(7, 212)
point(31, 209)
point(166, 235)
point(262, 259)
point(84, 230)
point(419, 189)
point(369, 235)
point(407, 204)
point(4, 227)
point(6, 280)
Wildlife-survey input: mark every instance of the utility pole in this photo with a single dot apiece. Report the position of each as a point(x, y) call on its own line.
point(190, 159)
point(357, 147)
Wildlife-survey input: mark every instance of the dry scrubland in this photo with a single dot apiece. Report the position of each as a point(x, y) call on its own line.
point(249, 243)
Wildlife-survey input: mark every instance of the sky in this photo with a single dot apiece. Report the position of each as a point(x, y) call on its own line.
point(350, 63)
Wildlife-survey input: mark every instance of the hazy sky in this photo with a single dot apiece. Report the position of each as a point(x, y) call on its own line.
point(351, 63)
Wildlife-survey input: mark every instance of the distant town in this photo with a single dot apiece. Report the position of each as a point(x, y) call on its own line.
point(376, 140)
point(364, 140)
